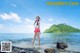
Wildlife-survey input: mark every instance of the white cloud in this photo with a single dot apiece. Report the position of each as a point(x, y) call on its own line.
point(11, 16)
point(28, 20)
point(14, 5)
point(24, 28)
point(50, 19)
point(21, 29)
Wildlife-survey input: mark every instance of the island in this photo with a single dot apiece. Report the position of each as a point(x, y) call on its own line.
point(61, 28)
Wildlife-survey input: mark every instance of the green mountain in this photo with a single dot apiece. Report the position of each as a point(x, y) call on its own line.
point(61, 28)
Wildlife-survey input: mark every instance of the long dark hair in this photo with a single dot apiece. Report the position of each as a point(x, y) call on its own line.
point(36, 21)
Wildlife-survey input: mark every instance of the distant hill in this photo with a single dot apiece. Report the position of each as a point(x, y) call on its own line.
point(61, 28)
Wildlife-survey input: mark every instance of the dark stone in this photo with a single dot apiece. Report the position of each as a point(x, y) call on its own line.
point(61, 45)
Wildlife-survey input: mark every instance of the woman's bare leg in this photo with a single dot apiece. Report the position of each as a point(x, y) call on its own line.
point(34, 38)
point(38, 36)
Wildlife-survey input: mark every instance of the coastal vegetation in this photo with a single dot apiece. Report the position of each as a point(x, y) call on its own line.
point(61, 28)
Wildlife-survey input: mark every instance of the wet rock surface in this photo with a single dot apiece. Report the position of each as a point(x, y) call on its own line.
point(24, 50)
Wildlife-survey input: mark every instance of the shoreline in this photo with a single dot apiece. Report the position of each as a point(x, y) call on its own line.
point(45, 46)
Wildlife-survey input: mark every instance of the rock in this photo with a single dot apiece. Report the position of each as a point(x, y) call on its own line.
point(61, 45)
point(50, 50)
point(24, 50)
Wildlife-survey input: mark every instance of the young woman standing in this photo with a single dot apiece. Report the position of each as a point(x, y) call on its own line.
point(37, 30)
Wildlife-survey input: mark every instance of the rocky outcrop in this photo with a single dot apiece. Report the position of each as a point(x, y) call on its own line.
point(24, 50)
point(61, 45)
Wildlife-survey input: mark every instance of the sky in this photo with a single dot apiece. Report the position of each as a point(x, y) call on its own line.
point(18, 16)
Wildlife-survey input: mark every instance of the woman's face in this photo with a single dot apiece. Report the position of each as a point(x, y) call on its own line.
point(37, 18)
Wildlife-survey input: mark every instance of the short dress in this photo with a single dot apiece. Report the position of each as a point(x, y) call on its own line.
point(37, 29)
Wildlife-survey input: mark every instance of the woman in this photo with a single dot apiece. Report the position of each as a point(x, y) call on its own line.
point(37, 30)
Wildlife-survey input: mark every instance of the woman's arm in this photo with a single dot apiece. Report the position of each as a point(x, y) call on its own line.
point(34, 22)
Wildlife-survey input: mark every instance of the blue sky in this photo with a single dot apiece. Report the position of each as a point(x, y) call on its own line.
point(17, 16)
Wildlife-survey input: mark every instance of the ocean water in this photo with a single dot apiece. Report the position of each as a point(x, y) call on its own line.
point(72, 39)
